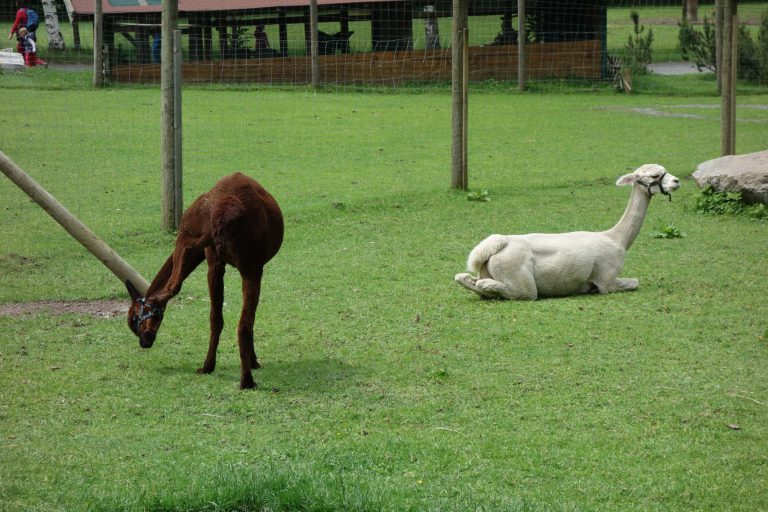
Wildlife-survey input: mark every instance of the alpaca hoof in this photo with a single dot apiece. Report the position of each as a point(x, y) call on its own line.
point(247, 383)
point(466, 280)
point(203, 370)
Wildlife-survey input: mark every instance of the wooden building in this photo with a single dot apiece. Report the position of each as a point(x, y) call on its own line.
point(566, 39)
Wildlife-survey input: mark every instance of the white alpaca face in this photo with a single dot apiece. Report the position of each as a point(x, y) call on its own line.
point(653, 177)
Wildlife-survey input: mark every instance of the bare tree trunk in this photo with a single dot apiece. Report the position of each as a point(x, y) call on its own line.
point(55, 39)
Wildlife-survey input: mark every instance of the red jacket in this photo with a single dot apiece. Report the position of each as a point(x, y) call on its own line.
point(21, 20)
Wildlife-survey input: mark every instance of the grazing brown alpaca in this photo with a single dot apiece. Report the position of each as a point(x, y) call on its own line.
point(238, 223)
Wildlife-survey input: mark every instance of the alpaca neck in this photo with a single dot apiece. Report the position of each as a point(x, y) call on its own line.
point(625, 231)
point(158, 284)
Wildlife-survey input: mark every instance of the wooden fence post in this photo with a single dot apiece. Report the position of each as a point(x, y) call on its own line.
point(719, 44)
point(728, 74)
point(178, 200)
point(459, 82)
point(98, 43)
point(168, 135)
point(313, 44)
point(521, 39)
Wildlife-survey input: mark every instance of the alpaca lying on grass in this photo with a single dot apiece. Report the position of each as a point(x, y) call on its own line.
point(526, 267)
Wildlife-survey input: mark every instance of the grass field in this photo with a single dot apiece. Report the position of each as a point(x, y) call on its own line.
point(385, 386)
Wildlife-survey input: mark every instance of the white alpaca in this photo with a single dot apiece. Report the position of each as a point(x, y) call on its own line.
point(526, 267)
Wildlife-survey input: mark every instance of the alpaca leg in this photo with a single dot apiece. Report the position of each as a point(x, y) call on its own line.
point(216, 292)
point(610, 282)
point(184, 262)
point(470, 283)
point(508, 277)
point(248, 360)
point(519, 289)
point(623, 284)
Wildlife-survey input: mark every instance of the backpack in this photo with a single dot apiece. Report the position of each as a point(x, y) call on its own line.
point(33, 20)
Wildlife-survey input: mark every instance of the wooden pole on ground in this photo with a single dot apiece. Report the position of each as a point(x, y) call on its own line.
point(521, 39)
point(167, 135)
point(72, 224)
point(98, 44)
point(459, 53)
point(728, 76)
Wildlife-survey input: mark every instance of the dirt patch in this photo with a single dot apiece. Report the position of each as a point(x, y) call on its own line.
point(95, 308)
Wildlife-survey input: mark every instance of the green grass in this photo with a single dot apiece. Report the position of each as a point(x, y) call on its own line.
point(385, 386)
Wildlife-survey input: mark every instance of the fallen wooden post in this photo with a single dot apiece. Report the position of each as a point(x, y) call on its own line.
point(72, 224)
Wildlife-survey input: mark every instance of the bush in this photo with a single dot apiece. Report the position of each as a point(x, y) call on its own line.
point(710, 201)
point(639, 47)
point(699, 46)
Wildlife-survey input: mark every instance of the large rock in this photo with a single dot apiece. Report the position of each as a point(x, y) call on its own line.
point(747, 174)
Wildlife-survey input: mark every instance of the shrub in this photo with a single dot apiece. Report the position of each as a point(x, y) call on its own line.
point(699, 47)
point(710, 201)
point(669, 231)
point(479, 195)
point(639, 47)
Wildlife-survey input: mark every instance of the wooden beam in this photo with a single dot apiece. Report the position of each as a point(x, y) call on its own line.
point(543, 60)
point(72, 224)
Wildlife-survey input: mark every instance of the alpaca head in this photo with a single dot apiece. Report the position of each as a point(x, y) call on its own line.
point(144, 318)
point(653, 178)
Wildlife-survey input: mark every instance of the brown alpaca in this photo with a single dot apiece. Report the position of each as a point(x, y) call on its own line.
point(238, 223)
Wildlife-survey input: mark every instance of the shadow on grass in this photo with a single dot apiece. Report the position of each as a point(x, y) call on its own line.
point(314, 375)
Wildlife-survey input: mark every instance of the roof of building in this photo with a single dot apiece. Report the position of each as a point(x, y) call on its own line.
point(86, 7)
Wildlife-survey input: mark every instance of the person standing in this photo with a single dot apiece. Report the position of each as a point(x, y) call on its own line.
point(24, 19)
point(19, 22)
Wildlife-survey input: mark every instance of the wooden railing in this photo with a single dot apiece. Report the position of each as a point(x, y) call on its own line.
point(575, 59)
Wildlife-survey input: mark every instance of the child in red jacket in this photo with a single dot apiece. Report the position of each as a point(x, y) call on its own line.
point(29, 48)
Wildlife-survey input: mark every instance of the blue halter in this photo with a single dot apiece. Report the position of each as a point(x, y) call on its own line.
point(146, 315)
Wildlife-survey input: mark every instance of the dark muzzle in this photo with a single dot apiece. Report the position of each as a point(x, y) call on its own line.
point(147, 311)
point(146, 339)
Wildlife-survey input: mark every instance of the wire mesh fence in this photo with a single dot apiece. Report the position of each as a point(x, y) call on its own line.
point(390, 45)
point(387, 42)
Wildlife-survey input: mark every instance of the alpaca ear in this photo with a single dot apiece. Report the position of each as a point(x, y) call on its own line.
point(132, 291)
point(627, 179)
